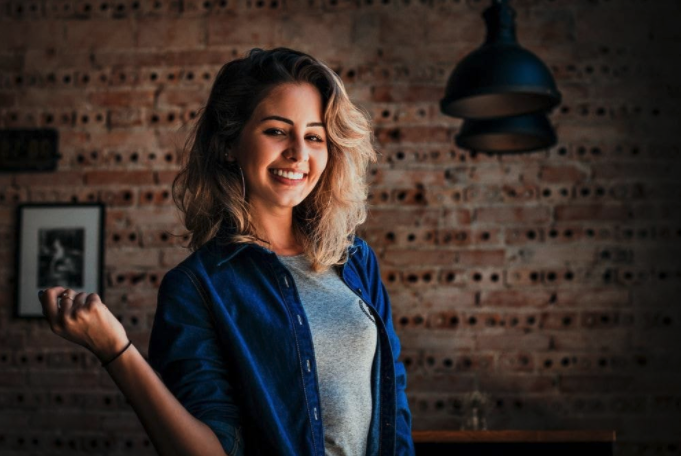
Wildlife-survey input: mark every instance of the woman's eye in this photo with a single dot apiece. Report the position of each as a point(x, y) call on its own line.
point(316, 138)
point(274, 132)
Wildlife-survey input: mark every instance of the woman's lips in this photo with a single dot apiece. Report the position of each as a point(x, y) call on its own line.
point(288, 180)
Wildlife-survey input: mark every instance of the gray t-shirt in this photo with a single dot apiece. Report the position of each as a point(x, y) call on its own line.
point(344, 338)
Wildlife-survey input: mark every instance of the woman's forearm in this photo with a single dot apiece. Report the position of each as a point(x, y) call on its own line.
point(171, 428)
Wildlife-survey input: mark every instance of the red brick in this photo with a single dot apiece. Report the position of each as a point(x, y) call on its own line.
point(597, 297)
point(107, 34)
point(592, 212)
point(454, 218)
point(395, 177)
point(407, 93)
point(610, 340)
point(20, 35)
point(59, 178)
point(403, 217)
point(562, 173)
point(119, 177)
point(14, 420)
point(513, 214)
point(125, 98)
point(248, 28)
point(132, 258)
point(12, 378)
point(170, 33)
point(595, 383)
point(518, 383)
point(516, 298)
point(165, 177)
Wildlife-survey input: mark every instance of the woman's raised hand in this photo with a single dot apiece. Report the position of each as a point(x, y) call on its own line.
point(84, 319)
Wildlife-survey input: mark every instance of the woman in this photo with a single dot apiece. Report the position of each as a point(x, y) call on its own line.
point(275, 335)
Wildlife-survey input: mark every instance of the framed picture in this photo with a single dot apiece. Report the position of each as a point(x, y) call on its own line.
point(58, 245)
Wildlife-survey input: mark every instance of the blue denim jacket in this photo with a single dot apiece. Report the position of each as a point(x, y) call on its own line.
point(231, 341)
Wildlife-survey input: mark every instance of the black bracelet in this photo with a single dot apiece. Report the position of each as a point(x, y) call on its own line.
point(119, 354)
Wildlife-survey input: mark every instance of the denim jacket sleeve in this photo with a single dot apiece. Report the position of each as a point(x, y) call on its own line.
point(183, 349)
point(404, 444)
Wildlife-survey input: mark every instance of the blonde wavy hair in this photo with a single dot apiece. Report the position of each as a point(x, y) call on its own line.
point(208, 190)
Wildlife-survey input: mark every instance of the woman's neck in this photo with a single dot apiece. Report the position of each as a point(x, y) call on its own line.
point(277, 229)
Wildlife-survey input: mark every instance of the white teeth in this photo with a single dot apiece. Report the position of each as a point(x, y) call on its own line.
point(288, 174)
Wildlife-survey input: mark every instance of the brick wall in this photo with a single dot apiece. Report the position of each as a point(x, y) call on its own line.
point(548, 282)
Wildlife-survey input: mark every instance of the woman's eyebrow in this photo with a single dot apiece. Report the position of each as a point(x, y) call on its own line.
point(290, 122)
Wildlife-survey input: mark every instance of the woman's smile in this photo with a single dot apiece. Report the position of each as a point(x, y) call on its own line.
point(283, 148)
point(288, 177)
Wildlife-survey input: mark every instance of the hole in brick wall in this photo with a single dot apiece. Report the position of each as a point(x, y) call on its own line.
point(530, 320)
point(494, 277)
point(548, 363)
point(472, 321)
point(453, 321)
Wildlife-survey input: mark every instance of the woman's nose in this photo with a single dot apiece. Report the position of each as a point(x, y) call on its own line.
point(297, 150)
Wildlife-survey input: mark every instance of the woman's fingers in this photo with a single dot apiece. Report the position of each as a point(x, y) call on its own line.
point(79, 300)
point(48, 300)
point(92, 300)
point(66, 303)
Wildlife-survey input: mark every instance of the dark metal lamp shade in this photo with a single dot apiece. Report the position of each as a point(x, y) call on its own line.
point(524, 133)
point(500, 78)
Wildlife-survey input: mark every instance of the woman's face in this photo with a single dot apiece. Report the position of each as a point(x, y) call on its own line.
point(283, 149)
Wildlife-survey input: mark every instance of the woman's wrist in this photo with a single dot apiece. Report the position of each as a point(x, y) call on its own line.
point(105, 354)
point(117, 355)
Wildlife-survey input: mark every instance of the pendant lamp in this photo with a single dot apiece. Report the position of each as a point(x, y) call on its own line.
point(507, 135)
point(500, 78)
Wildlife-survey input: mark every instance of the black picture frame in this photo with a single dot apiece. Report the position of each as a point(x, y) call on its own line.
point(58, 244)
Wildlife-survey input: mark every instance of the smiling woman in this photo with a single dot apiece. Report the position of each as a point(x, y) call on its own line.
point(282, 156)
point(275, 336)
point(301, 106)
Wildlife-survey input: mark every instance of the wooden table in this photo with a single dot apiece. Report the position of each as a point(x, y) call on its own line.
point(525, 443)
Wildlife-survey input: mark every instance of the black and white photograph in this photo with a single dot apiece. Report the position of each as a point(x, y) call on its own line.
point(60, 259)
point(58, 245)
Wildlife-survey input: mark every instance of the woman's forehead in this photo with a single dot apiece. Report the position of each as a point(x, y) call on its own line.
point(300, 99)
